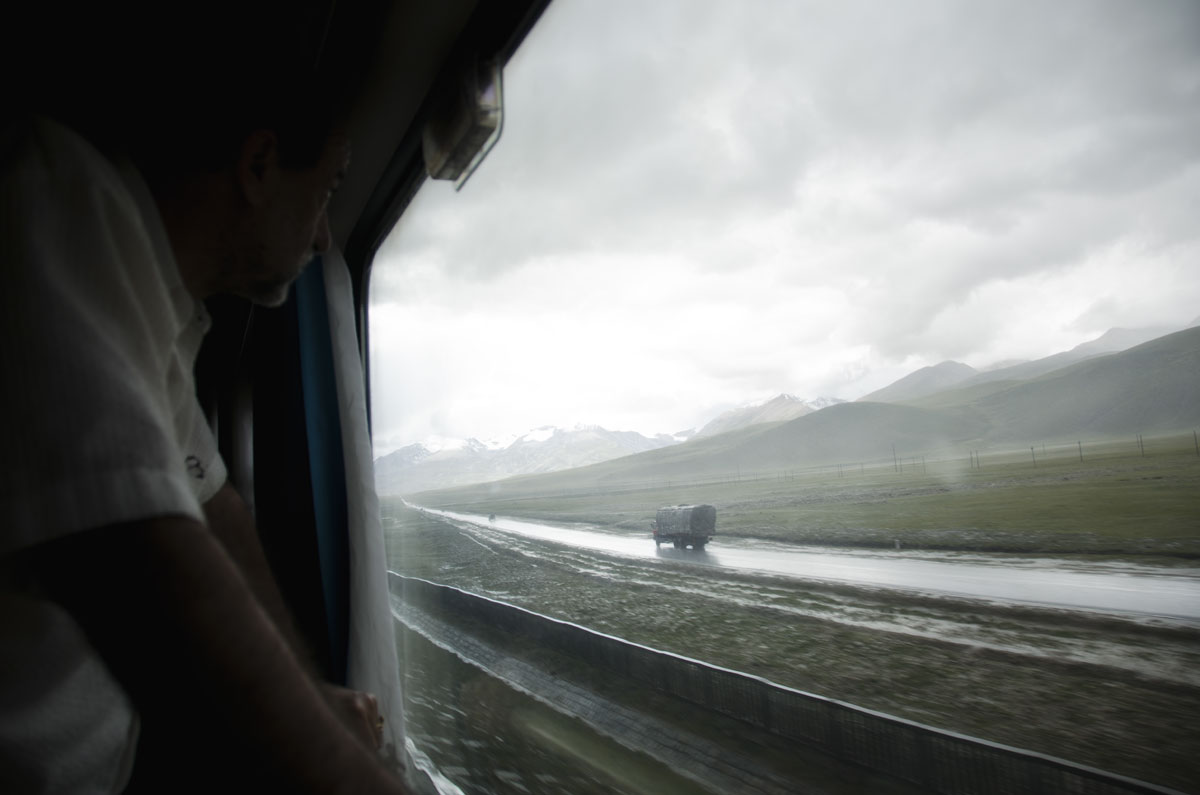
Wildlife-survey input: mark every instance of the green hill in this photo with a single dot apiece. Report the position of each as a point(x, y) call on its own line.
point(857, 432)
point(1151, 388)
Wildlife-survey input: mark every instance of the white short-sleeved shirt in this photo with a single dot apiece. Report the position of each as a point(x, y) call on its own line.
point(98, 338)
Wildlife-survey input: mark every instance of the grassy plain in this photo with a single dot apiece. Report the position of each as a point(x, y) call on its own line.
point(1126, 498)
point(1112, 693)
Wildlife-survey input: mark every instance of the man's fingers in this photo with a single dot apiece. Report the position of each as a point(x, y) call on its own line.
point(377, 725)
point(373, 719)
point(360, 711)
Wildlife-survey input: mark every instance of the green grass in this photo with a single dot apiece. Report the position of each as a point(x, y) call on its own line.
point(1115, 501)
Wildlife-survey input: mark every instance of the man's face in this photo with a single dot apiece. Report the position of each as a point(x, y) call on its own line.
point(292, 226)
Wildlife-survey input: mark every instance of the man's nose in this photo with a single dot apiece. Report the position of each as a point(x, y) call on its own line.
point(322, 239)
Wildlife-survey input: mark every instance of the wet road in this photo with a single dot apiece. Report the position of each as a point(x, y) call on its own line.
point(1110, 588)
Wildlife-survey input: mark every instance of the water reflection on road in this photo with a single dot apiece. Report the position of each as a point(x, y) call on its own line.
point(1102, 587)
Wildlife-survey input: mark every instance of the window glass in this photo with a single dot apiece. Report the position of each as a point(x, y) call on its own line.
point(907, 292)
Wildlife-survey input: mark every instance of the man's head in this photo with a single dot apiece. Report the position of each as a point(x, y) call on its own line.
point(232, 118)
point(244, 196)
point(278, 220)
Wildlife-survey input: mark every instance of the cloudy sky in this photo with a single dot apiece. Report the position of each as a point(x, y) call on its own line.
point(698, 204)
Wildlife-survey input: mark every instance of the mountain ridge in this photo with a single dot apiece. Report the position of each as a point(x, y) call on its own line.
point(1149, 388)
point(1010, 403)
point(780, 408)
point(922, 382)
point(546, 449)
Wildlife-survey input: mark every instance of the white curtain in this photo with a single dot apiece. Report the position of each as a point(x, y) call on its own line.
point(371, 662)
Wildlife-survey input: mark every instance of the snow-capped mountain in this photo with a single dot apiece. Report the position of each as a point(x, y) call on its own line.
point(416, 468)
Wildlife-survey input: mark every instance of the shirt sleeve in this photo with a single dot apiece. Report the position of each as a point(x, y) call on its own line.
point(202, 461)
point(87, 332)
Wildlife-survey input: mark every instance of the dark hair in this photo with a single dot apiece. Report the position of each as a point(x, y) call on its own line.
point(201, 125)
point(180, 88)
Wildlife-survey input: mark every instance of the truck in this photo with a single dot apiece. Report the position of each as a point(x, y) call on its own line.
point(685, 526)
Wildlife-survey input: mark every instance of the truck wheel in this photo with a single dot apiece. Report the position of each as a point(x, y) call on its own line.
point(698, 547)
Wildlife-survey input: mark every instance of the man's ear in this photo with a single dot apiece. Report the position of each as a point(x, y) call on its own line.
point(258, 166)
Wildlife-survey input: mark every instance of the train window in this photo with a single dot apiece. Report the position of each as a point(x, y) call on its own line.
point(903, 293)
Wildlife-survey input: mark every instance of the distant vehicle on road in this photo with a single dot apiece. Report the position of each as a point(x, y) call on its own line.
point(685, 526)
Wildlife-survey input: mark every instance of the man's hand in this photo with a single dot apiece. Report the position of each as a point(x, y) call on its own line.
point(232, 523)
point(359, 712)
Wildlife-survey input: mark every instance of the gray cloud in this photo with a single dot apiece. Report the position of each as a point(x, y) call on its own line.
point(889, 169)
